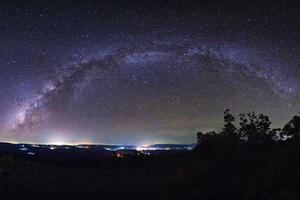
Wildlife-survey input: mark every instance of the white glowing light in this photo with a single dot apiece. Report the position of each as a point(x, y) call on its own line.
point(83, 147)
point(52, 148)
point(145, 148)
point(150, 148)
point(23, 149)
point(57, 141)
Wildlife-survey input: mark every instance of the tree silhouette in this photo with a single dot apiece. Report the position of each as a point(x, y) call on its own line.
point(229, 128)
point(226, 140)
point(254, 131)
point(207, 141)
point(292, 128)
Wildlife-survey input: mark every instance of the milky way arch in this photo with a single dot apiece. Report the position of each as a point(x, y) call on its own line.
point(162, 74)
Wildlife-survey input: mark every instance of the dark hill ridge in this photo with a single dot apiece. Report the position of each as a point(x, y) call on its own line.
point(190, 175)
point(13, 147)
point(79, 155)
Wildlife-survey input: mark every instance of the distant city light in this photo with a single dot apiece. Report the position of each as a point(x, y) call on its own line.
point(150, 148)
point(52, 147)
point(23, 148)
point(83, 147)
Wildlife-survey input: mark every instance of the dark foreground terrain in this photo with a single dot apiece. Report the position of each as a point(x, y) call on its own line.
point(189, 175)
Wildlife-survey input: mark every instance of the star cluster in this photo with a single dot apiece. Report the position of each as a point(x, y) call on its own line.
point(146, 72)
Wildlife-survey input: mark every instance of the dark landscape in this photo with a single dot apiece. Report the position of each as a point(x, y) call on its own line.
point(249, 162)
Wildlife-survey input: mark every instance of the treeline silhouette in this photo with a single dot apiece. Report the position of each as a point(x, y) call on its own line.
point(249, 161)
point(254, 135)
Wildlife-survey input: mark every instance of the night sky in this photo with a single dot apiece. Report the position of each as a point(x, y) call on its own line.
point(143, 72)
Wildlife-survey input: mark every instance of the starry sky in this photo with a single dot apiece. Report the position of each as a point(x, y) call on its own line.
point(143, 72)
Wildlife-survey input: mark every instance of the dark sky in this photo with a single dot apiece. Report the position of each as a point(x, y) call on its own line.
point(143, 72)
